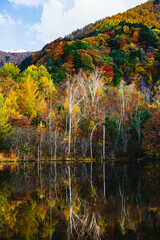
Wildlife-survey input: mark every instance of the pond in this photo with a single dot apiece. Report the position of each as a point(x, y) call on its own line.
point(80, 200)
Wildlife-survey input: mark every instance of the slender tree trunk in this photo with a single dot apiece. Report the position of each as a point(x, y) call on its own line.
point(40, 145)
point(91, 173)
point(139, 129)
point(70, 188)
point(55, 177)
point(104, 180)
point(104, 141)
point(50, 208)
point(69, 137)
point(70, 200)
point(50, 125)
point(74, 145)
point(38, 162)
point(66, 126)
point(51, 167)
point(24, 161)
point(91, 138)
point(55, 143)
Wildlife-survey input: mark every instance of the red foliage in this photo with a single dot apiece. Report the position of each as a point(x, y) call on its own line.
point(22, 122)
point(153, 70)
point(108, 70)
point(149, 54)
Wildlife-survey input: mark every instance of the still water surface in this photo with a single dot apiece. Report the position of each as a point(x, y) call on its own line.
point(99, 200)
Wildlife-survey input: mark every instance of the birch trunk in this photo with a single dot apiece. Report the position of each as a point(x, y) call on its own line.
point(55, 144)
point(91, 139)
point(69, 137)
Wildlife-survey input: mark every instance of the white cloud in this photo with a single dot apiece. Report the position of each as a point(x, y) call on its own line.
point(56, 21)
point(27, 2)
point(15, 51)
point(2, 19)
point(5, 19)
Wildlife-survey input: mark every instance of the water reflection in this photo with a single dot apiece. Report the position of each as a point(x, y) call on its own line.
point(70, 200)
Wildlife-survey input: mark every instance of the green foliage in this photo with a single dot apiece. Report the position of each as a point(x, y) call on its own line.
point(118, 57)
point(27, 62)
point(146, 36)
point(4, 194)
point(118, 73)
point(78, 44)
point(36, 73)
point(9, 70)
point(111, 127)
point(58, 75)
point(143, 117)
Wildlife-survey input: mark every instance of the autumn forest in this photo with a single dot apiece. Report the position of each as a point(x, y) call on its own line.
point(93, 94)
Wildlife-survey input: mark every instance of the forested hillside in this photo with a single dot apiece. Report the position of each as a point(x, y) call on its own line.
point(125, 46)
point(95, 93)
point(13, 57)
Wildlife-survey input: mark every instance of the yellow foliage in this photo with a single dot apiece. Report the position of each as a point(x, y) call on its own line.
point(126, 29)
point(153, 105)
point(66, 212)
point(51, 115)
point(66, 104)
point(58, 51)
point(76, 208)
point(140, 69)
point(42, 108)
point(42, 212)
point(76, 110)
point(51, 203)
point(66, 139)
point(108, 80)
point(30, 98)
point(47, 85)
point(150, 80)
point(66, 182)
point(32, 67)
point(41, 128)
point(158, 38)
point(123, 230)
point(135, 36)
point(118, 28)
point(150, 62)
point(12, 104)
point(91, 124)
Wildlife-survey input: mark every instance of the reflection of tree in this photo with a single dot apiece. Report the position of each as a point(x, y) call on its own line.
point(29, 223)
point(80, 225)
point(30, 209)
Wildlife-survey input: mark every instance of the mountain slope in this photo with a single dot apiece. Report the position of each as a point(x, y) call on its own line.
point(126, 46)
point(13, 57)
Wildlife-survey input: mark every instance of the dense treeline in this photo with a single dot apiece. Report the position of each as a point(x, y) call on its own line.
point(81, 117)
point(128, 51)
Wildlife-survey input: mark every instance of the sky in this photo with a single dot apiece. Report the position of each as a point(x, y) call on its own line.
point(27, 25)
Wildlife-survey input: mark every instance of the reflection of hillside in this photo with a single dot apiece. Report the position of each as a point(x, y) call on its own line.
point(67, 201)
point(11, 165)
